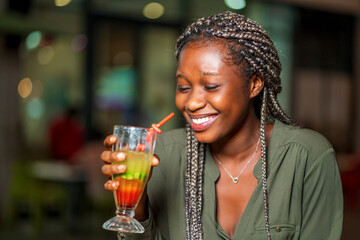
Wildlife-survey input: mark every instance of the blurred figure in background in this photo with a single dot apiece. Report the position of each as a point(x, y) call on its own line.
point(66, 136)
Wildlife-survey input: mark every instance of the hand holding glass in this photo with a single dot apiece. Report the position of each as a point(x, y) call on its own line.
point(138, 144)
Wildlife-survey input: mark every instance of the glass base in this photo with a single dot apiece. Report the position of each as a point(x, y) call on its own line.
point(123, 224)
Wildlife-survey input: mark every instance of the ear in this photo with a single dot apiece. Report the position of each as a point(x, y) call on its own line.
point(256, 85)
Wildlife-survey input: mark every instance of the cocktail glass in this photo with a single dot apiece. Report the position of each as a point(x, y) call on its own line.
point(138, 144)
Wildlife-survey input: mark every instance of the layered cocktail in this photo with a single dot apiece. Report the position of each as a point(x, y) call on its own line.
point(138, 144)
point(133, 181)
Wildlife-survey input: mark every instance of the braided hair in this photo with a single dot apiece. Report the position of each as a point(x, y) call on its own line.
point(250, 48)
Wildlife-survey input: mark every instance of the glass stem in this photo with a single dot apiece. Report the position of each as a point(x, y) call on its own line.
point(125, 213)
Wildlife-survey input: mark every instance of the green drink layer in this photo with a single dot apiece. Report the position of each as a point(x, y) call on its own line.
point(137, 166)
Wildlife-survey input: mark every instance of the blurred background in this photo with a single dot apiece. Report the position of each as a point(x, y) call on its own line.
point(70, 70)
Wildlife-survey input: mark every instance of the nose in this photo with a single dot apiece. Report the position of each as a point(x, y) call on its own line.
point(195, 102)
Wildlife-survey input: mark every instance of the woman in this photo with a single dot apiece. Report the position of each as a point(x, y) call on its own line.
point(241, 169)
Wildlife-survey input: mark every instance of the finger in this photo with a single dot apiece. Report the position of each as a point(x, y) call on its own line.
point(155, 161)
point(109, 141)
point(109, 156)
point(117, 156)
point(109, 170)
point(111, 185)
point(106, 156)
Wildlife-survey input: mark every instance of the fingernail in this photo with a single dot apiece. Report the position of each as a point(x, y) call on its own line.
point(114, 185)
point(120, 155)
point(112, 139)
point(120, 167)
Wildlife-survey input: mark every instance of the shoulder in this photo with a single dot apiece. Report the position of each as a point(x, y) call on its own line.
point(314, 143)
point(175, 137)
point(171, 149)
point(171, 141)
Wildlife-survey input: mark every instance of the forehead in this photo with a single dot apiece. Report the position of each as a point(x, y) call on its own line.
point(204, 50)
point(208, 52)
point(201, 57)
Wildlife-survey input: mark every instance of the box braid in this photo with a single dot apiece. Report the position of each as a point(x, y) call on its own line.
point(245, 39)
point(193, 183)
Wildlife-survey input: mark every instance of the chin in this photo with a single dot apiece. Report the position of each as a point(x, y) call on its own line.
point(204, 137)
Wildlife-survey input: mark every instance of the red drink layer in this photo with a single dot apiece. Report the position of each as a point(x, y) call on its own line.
point(128, 192)
point(133, 181)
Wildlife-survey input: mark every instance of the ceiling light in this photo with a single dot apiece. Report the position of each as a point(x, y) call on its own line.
point(153, 10)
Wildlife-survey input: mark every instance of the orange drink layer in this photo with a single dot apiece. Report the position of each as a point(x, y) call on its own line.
point(133, 181)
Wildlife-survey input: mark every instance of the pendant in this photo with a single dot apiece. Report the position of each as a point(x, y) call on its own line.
point(235, 179)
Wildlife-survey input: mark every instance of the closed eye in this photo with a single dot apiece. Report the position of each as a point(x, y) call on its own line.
point(182, 88)
point(211, 87)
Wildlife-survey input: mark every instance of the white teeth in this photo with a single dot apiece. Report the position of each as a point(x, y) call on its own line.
point(201, 120)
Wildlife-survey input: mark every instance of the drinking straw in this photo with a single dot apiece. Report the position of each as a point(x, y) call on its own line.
point(157, 126)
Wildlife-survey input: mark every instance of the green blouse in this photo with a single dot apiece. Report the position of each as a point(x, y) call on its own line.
point(305, 194)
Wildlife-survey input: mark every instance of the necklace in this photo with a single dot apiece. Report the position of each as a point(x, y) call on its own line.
point(236, 179)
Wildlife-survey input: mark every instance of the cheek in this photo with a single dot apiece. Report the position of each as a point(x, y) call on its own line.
point(221, 101)
point(179, 102)
point(229, 102)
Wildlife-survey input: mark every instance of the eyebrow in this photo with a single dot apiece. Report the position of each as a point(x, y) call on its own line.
point(179, 75)
point(208, 74)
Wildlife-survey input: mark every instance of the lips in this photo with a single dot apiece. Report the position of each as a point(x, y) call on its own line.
point(201, 123)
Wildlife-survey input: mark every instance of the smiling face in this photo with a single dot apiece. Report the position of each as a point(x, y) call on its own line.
point(213, 96)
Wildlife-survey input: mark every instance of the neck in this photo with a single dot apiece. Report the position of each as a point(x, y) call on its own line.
point(239, 145)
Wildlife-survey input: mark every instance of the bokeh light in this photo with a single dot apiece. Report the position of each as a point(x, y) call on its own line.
point(45, 55)
point(62, 3)
point(153, 10)
point(33, 40)
point(79, 42)
point(235, 4)
point(25, 87)
point(35, 108)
